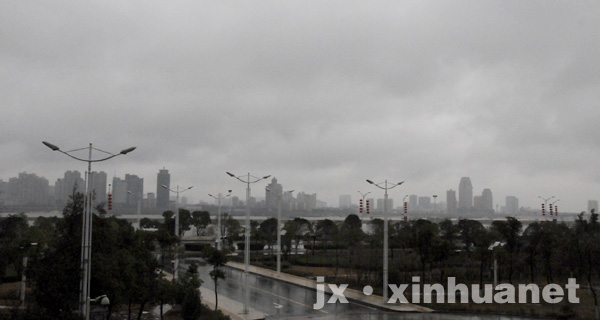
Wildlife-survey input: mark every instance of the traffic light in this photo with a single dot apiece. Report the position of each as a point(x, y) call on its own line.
point(109, 201)
point(360, 206)
point(368, 207)
point(556, 210)
point(405, 207)
point(551, 209)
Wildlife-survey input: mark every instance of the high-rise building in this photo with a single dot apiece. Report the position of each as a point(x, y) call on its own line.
point(465, 195)
point(162, 194)
point(99, 187)
point(487, 201)
point(135, 190)
point(512, 205)
point(413, 202)
point(345, 201)
point(27, 189)
point(451, 204)
point(65, 187)
point(271, 196)
point(119, 191)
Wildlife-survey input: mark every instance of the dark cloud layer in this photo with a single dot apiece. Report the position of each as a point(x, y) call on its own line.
point(319, 94)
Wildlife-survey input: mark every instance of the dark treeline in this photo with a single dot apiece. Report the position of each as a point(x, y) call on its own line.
point(126, 264)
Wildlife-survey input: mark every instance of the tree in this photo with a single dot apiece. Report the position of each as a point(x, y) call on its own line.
point(200, 220)
point(268, 232)
point(325, 231)
point(123, 265)
point(509, 231)
point(188, 294)
point(231, 229)
point(217, 259)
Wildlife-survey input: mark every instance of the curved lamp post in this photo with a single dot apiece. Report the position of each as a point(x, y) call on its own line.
point(177, 192)
point(248, 180)
point(363, 196)
point(86, 225)
point(385, 186)
point(545, 204)
point(219, 240)
point(279, 196)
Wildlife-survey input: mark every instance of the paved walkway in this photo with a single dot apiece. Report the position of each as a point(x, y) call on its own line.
point(232, 308)
point(372, 300)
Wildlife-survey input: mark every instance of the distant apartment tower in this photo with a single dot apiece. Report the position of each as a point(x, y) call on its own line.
point(593, 204)
point(99, 180)
point(119, 191)
point(135, 190)
point(465, 195)
point(345, 201)
point(413, 202)
point(27, 189)
point(64, 187)
point(451, 204)
point(271, 196)
point(512, 205)
point(487, 201)
point(162, 194)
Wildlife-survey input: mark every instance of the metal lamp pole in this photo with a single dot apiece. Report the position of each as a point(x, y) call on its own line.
point(385, 186)
point(177, 192)
point(249, 179)
point(279, 196)
point(86, 225)
point(219, 240)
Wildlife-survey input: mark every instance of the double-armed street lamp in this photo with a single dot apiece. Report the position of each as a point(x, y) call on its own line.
point(385, 186)
point(86, 225)
point(279, 226)
point(363, 195)
point(219, 240)
point(177, 192)
point(248, 180)
point(545, 205)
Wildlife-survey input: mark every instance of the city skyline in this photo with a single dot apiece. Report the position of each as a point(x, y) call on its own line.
point(127, 192)
point(321, 95)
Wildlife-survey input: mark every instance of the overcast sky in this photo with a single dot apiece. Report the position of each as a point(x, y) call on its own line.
point(320, 94)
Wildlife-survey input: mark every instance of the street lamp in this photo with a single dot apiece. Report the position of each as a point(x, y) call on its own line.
point(249, 179)
point(363, 195)
point(279, 196)
point(177, 192)
point(219, 240)
point(385, 186)
point(86, 225)
point(545, 205)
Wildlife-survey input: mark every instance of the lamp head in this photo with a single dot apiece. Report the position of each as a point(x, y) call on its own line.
point(51, 146)
point(401, 182)
point(230, 174)
point(164, 186)
point(128, 150)
point(266, 177)
point(369, 181)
